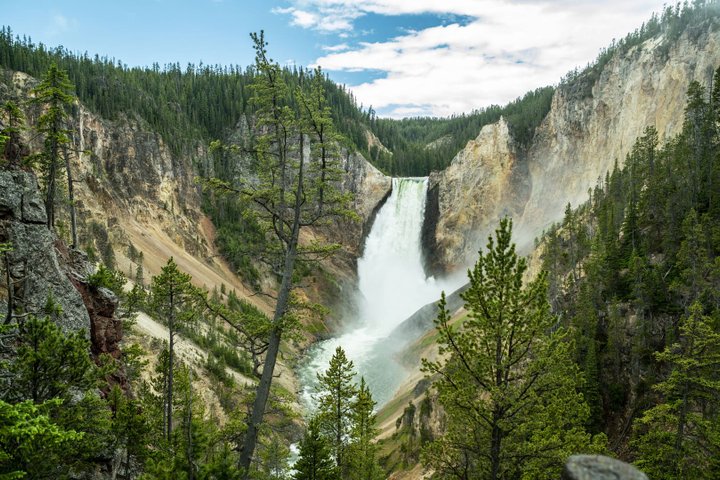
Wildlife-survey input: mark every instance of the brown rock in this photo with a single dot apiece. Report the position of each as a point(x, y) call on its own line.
point(106, 330)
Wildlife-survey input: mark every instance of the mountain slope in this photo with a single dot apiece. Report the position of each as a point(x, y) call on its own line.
point(593, 122)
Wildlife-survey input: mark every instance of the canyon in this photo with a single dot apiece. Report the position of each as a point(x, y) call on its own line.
point(133, 189)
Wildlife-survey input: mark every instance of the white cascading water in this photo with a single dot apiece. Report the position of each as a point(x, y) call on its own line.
point(392, 286)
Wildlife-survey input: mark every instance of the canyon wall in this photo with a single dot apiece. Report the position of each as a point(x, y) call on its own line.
point(135, 189)
point(592, 123)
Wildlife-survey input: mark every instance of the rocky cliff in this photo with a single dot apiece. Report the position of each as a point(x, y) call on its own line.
point(39, 267)
point(591, 124)
point(32, 266)
point(131, 188)
point(485, 181)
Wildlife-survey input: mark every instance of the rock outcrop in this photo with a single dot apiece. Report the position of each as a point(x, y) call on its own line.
point(598, 467)
point(370, 188)
point(132, 188)
point(591, 125)
point(106, 329)
point(484, 182)
point(35, 272)
point(42, 267)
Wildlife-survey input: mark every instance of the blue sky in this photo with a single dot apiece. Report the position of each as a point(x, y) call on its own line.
point(403, 57)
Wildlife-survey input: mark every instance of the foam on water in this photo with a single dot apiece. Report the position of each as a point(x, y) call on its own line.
point(392, 286)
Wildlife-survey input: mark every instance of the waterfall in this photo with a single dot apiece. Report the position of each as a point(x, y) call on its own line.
point(392, 286)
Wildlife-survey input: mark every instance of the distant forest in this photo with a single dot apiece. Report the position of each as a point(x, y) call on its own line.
point(200, 103)
point(419, 146)
point(196, 104)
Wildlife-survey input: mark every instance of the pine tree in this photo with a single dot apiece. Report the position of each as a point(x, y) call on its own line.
point(129, 426)
point(317, 117)
point(695, 260)
point(315, 461)
point(184, 453)
point(172, 298)
point(54, 93)
point(132, 253)
point(13, 125)
point(678, 438)
point(140, 271)
point(509, 386)
point(363, 463)
point(30, 441)
point(53, 370)
point(283, 198)
point(48, 364)
point(273, 459)
point(335, 404)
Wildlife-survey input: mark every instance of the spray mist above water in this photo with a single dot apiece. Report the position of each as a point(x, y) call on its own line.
point(392, 286)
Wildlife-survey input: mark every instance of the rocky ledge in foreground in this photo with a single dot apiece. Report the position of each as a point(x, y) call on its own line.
point(597, 467)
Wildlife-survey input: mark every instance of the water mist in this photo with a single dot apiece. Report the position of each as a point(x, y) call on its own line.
point(392, 286)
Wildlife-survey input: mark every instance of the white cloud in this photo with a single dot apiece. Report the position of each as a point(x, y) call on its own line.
point(506, 48)
point(325, 19)
point(61, 24)
point(304, 19)
point(336, 48)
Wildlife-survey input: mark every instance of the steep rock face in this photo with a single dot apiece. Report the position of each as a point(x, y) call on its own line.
point(131, 174)
point(35, 272)
point(591, 124)
point(481, 184)
point(106, 329)
point(41, 266)
point(374, 142)
point(583, 135)
point(370, 188)
point(130, 183)
point(125, 170)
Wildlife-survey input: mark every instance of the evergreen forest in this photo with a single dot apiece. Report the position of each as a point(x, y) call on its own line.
point(605, 340)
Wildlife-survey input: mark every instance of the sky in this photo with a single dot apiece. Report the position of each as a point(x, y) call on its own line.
point(402, 57)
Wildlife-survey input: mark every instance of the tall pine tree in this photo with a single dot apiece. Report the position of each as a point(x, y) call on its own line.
point(506, 378)
point(363, 450)
point(173, 296)
point(680, 437)
point(335, 404)
point(54, 93)
point(287, 193)
point(315, 462)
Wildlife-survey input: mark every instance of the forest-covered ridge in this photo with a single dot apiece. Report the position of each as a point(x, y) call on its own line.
point(200, 103)
point(411, 139)
point(70, 422)
point(632, 278)
point(635, 273)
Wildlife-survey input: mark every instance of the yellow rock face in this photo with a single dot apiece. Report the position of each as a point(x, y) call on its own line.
point(585, 132)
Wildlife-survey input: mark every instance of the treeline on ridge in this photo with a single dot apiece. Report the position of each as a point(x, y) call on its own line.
point(635, 272)
point(199, 103)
